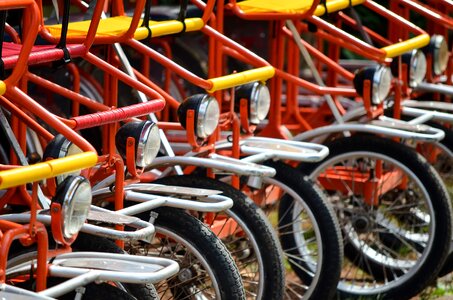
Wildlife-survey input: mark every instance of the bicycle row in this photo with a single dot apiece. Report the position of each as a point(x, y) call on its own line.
point(224, 150)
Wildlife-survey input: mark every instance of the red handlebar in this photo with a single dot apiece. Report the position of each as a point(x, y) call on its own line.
point(117, 114)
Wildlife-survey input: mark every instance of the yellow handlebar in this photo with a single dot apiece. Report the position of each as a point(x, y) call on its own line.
point(2, 87)
point(163, 28)
point(405, 46)
point(335, 5)
point(228, 81)
point(47, 169)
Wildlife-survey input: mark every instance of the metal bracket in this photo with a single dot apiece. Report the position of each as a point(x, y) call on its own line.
point(384, 126)
point(434, 88)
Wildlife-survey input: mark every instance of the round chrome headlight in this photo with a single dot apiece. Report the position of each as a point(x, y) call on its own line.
point(60, 147)
point(416, 62)
point(74, 196)
point(380, 78)
point(147, 141)
point(259, 99)
point(438, 49)
point(206, 116)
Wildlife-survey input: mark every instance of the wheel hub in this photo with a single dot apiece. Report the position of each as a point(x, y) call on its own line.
point(361, 223)
point(185, 275)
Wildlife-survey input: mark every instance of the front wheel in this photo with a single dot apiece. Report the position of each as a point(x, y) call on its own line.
point(247, 234)
point(394, 212)
point(308, 230)
point(207, 270)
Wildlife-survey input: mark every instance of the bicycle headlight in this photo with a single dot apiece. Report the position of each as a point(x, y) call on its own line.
point(74, 196)
point(60, 147)
point(438, 49)
point(259, 99)
point(416, 66)
point(206, 116)
point(147, 141)
point(380, 78)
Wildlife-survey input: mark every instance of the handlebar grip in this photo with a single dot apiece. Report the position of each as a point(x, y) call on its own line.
point(118, 114)
point(47, 169)
point(241, 78)
point(407, 45)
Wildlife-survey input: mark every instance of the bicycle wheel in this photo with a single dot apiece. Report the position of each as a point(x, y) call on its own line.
point(248, 236)
point(297, 209)
point(441, 157)
point(207, 270)
point(394, 212)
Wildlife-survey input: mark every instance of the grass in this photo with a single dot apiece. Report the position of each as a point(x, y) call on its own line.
point(442, 288)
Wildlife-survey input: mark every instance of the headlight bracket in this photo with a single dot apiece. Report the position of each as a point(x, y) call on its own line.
point(244, 113)
point(429, 71)
point(130, 158)
point(197, 144)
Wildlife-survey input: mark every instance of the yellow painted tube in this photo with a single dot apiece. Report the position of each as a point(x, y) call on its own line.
point(48, 169)
point(72, 163)
point(405, 46)
point(263, 6)
point(2, 87)
point(335, 5)
point(116, 26)
point(228, 81)
point(168, 27)
point(23, 175)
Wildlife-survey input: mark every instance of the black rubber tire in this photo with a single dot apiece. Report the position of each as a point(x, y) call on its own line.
point(324, 218)
point(199, 236)
point(439, 198)
point(257, 224)
point(447, 142)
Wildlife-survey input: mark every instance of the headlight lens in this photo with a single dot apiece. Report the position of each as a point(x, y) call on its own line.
point(207, 114)
point(380, 78)
point(416, 66)
point(438, 49)
point(74, 195)
point(259, 99)
point(417, 69)
point(61, 147)
point(147, 141)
